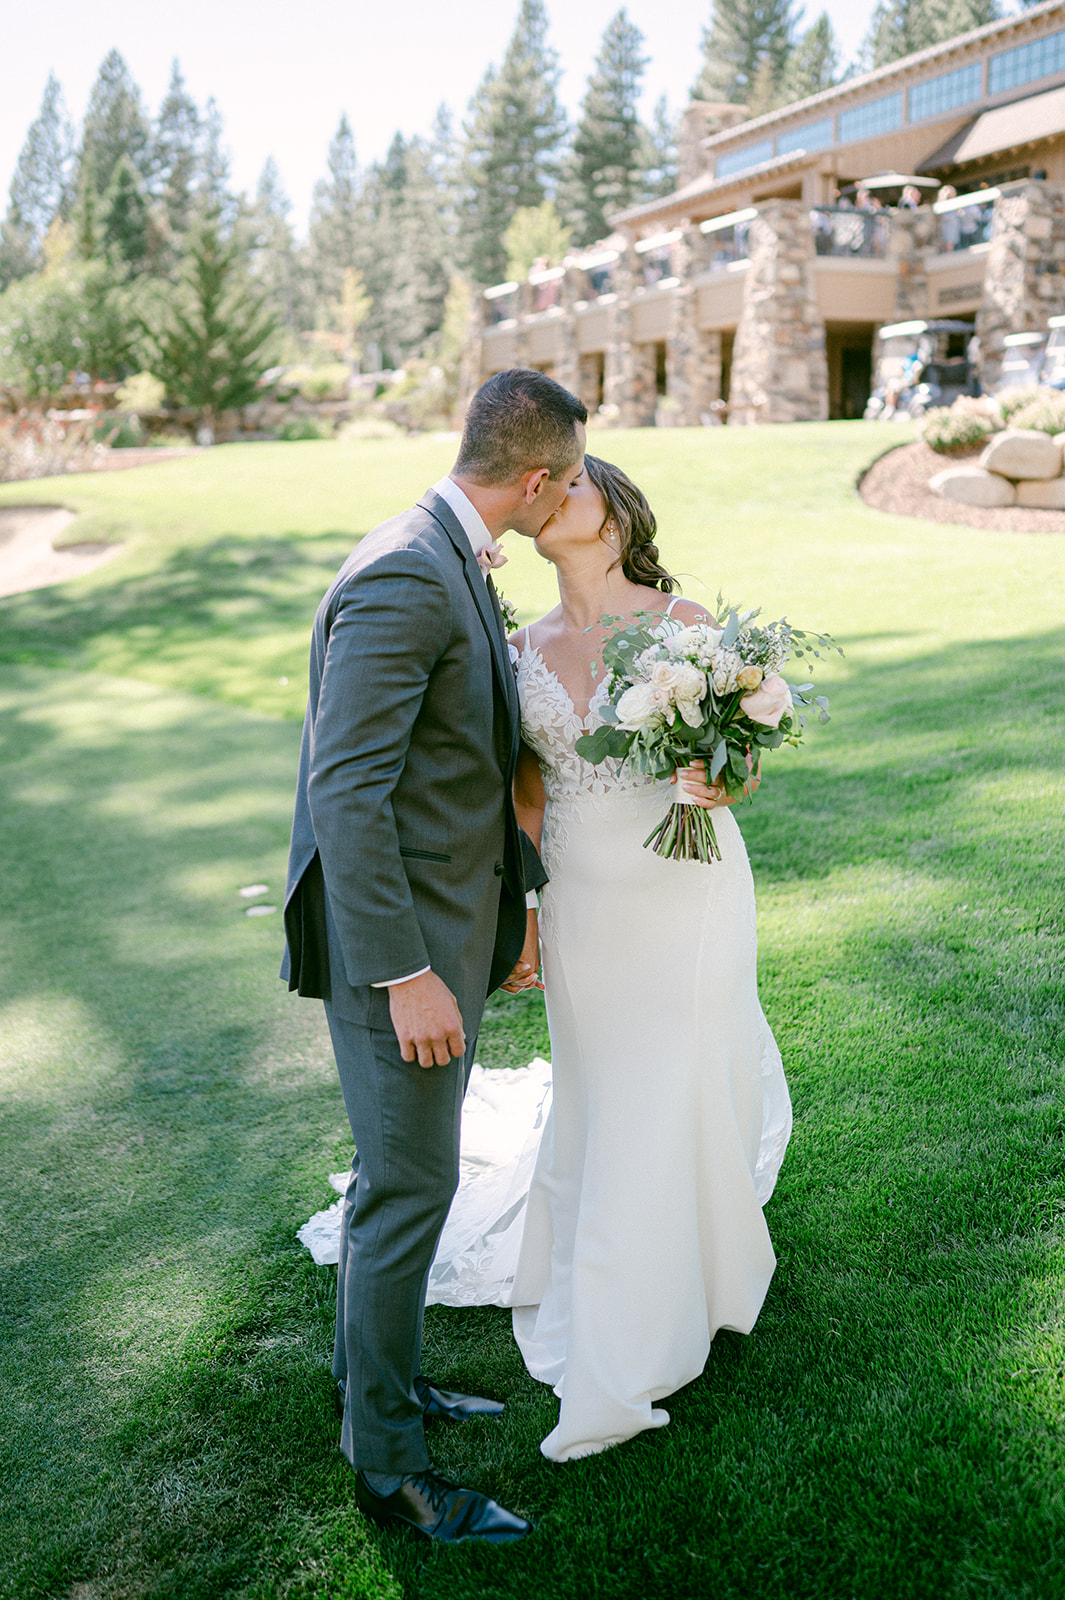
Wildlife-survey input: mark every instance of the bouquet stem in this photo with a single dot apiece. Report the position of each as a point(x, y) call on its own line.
point(686, 833)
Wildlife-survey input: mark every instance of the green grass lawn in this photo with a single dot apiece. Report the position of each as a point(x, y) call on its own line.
point(895, 1426)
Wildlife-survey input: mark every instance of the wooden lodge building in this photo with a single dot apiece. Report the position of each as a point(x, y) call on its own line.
point(752, 292)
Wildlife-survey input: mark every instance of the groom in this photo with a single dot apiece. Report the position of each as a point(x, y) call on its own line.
point(407, 902)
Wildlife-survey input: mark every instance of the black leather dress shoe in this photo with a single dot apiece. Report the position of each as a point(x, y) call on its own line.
point(434, 1506)
point(438, 1402)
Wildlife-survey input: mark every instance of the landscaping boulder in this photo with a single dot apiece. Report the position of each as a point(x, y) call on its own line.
point(972, 486)
point(1043, 494)
point(1023, 453)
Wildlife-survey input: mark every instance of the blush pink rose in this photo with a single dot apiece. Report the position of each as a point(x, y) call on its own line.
point(768, 703)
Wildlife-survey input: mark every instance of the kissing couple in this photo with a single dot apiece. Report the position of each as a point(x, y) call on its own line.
point(446, 834)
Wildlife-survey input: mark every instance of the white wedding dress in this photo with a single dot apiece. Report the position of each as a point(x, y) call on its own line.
point(619, 1208)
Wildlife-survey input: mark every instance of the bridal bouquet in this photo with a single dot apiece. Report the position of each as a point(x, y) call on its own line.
point(709, 692)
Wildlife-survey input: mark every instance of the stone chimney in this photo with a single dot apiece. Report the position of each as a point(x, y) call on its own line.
point(698, 121)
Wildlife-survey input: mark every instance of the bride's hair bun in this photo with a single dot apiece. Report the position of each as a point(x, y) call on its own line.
point(627, 507)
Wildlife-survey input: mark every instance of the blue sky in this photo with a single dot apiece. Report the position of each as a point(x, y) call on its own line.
point(283, 73)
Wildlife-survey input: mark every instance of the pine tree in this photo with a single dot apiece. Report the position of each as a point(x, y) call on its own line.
point(742, 34)
point(603, 171)
point(334, 229)
point(899, 27)
point(124, 217)
point(115, 124)
point(813, 64)
point(40, 189)
point(213, 190)
point(175, 155)
point(273, 253)
point(659, 160)
point(211, 348)
point(513, 136)
point(404, 250)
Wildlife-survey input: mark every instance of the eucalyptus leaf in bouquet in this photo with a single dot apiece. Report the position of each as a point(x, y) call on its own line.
point(709, 691)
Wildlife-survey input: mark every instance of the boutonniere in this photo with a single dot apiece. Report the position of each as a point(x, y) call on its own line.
point(510, 616)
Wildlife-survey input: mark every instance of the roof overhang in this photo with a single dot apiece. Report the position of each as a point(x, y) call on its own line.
point(1040, 116)
point(709, 187)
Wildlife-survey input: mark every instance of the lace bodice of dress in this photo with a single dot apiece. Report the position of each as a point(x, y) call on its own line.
point(551, 727)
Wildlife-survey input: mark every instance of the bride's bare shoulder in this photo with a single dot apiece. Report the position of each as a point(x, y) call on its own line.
point(521, 636)
point(689, 611)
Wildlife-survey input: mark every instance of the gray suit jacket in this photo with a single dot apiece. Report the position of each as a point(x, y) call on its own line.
point(405, 849)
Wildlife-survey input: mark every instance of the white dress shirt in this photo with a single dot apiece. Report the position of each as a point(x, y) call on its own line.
point(480, 538)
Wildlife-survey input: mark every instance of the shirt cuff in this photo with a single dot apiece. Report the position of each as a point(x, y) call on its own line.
point(532, 901)
point(388, 984)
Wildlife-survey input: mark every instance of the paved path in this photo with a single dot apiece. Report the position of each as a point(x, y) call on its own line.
point(27, 559)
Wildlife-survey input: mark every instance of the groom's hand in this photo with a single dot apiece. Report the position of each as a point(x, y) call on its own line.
point(427, 1020)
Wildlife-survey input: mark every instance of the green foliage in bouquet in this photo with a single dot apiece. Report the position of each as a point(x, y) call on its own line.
point(710, 693)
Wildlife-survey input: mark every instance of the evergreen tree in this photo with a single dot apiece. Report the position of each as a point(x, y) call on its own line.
point(334, 228)
point(899, 27)
point(124, 217)
point(213, 190)
point(274, 256)
point(659, 176)
point(813, 64)
point(741, 35)
point(40, 189)
point(175, 155)
point(603, 171)
point(404, 250)
point(210, 350)
point(513, 135)
point(115, 125)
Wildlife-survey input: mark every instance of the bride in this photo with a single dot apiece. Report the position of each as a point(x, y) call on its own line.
point(644, 1231)
point(641, 1232)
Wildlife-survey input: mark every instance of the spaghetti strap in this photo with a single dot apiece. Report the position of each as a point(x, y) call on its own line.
point(672, 603)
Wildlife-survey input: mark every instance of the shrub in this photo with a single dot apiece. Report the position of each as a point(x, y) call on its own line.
point(142, 392)
point(951, 431)
point(297, 428)
point(121, 430)
point(1047, 413)
point(40, 447)
point(1015, 397)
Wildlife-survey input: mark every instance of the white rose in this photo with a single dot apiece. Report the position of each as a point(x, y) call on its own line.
point(638, 707)
point(690, 684)
point(725, 665)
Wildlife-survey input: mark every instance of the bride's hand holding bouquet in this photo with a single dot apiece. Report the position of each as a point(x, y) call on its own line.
point(707, 696)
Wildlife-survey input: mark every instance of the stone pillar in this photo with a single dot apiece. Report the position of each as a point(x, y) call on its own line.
point(693, 356)
point(629, 373)
point(471, 368)
point(568, 365)
point(588, 385)
point(779, 370)
point(913, 239)
point(1024, 283)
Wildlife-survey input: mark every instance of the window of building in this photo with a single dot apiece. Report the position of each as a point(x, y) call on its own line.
point(945, 92)
point(1039, 59)
point(811, 136)
point(752, 155)
point(875, 116)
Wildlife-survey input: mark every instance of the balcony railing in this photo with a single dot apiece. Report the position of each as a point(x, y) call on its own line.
point(656, 258)
point(547, 288)
point(965, 220)
point(728, 238)
point(846, 232)
point(501, 303)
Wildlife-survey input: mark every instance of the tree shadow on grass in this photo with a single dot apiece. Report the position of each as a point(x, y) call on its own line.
point(232, 585)
point(165, 1341)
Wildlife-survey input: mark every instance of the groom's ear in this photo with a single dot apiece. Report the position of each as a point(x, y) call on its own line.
point(534, 482)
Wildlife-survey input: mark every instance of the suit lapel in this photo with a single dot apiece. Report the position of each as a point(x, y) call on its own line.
point(487, 604)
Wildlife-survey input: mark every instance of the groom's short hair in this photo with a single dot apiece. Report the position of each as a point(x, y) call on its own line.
point(518, 421)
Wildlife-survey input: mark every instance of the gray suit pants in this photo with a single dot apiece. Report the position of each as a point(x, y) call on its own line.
point(405, 1120)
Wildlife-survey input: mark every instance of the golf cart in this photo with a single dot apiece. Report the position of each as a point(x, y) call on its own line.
point(922, 364)
point(1035, 358)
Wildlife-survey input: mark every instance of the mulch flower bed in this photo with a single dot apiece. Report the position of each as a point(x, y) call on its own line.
point(899, 482)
